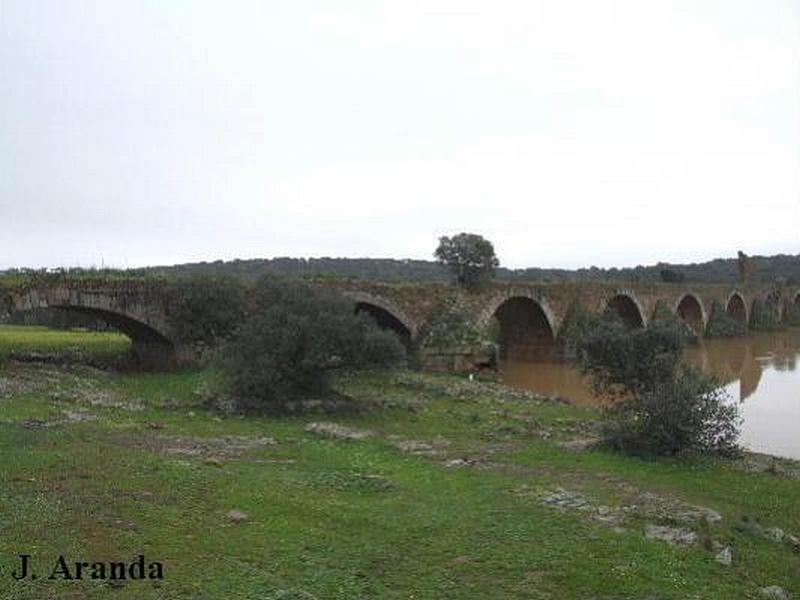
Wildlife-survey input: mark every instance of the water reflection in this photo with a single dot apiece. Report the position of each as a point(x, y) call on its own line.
point(761, 369)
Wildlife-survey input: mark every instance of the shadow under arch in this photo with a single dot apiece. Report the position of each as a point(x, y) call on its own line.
point(690, 309)
point(625, 305)
point(736, 307)
point(150, 347)
point(386, 320)
point(386, 314)
point(526, 330)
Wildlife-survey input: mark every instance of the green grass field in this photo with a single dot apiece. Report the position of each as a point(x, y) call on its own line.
point(21, 338)
point(449, 497)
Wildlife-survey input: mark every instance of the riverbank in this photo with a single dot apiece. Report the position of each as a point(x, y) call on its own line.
point(759, 373)
point(428, 487)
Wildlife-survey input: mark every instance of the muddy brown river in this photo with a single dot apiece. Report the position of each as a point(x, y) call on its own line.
point(760, 372)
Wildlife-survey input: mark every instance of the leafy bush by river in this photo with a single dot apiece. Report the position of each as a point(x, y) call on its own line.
point(721, 324)
point(656, 404)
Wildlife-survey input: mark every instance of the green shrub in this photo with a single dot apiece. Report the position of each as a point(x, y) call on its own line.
point(450, 326)
point(622, 362)
point(721, 324)
point(764, 316)
point(664, 316)
point(689, 412)
point(578, 323)
point(291, 341)
point(656, 405)
point(792, 315)
point(205, 309)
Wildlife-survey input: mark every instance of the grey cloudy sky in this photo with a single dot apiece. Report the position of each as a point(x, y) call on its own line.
point(568, 132)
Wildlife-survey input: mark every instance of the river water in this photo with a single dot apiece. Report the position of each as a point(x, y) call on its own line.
point(760, 372)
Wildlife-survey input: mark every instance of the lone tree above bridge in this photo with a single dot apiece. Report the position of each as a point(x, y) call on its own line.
point(470, 256)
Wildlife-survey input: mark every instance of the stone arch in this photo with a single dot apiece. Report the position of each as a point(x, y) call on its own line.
point(736, 307)
point(526, 325)
point(627, 307)
point(151, 343)
point(690, 309)
point(388, 315)
point(490, 309)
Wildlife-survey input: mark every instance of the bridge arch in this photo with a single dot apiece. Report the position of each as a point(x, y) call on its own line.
point(386, 314)
point(689, 307)
point(736, 307)
point(151, 342)
point(627, 307)
point(526, 324)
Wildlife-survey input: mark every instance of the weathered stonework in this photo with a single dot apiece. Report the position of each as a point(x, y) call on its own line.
point(136, 309)
point(415, 303)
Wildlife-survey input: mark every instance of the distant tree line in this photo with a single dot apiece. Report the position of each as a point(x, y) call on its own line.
point(782, 268)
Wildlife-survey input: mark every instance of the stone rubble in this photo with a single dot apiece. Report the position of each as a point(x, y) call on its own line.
point(774, 591)
point(237, 516)
point(565, 499)
point(461, 462)
point(414, 447)
point(672, 535)
point(725, 556)
point(215, 448)
point(335, 430)
point(646, 505)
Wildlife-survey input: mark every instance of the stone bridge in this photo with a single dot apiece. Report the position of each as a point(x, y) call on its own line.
point(136, 309)
point(526, 314)
point(521, 312)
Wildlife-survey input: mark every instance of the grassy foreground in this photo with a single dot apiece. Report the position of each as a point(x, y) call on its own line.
point(26, 339)
point(454, 489)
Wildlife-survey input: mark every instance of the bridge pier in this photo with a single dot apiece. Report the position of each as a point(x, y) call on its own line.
point(154, 355)
point(456, 360)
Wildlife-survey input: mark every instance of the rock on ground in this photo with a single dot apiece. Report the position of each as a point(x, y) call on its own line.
point(775, 534)
point(461, 462)
point(566, 499)
point(335, 430)
point(417, 446)
point(774, 591)
point(725, 556)
point(237, 516)
point(671, 535)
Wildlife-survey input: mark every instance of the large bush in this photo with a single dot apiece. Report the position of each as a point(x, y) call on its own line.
point(578, 323)
point(721, 324)
point(765, 315)
point(655, 403)
point(622, 362)
point(792, 315)
point(294, 337)
point(665, 317)
point(688, 412)
point(205, 309)
point(451, 327)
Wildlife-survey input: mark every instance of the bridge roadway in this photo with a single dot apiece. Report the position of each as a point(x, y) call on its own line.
point(524, 311)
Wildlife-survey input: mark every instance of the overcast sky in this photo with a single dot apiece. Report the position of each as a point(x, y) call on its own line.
point(570, 133)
